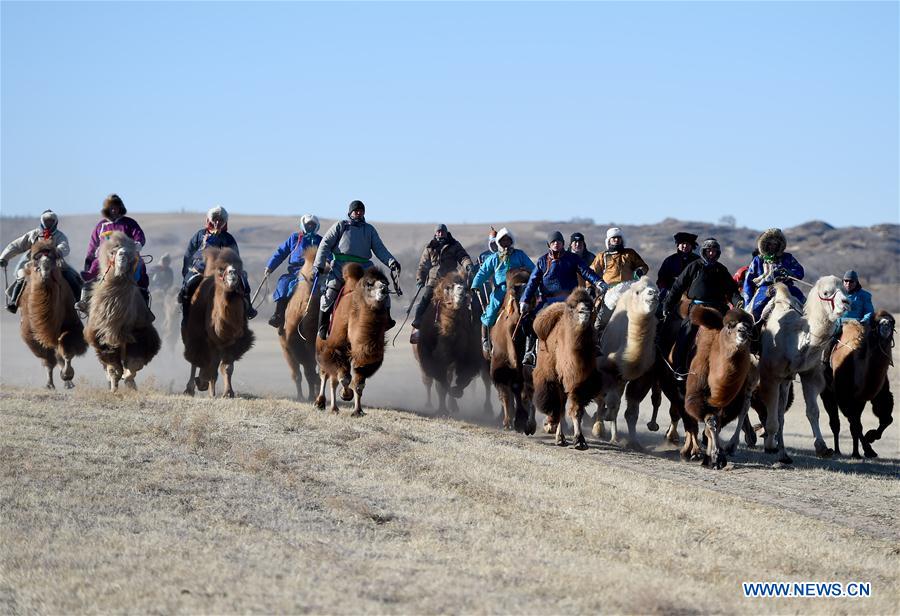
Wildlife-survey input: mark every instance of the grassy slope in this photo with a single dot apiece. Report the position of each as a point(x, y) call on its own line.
point(145, 502)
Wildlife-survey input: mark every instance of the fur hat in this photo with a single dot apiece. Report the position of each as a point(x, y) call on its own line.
point(49, 220)
point(683, 237)
point(356, 204)
point(217, 212)
point(110, 201)
point(504, 232)
point(614, 232)
point(771, 243)
point(555, 236)
point(307, 219)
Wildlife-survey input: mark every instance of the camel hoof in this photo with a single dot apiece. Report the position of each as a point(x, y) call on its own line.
point(634, 445)
point(731, 449)
point(201, 385)
point(580, 444)
point(320, 403)
point(358, 413)
point(750, 439)
point(855, 455)
point(786, 459)
point(228, 394)
point(653, 426)
point(50, 386)
point(871, 436)
point(871, 453)
point(597, 429)
point(822, 450)
point(346, 394)
point(520, 422)
point(561, 441)
point(705, 461)
point(69, 384)
point(771, 449)
point(131, 385)
point(188, 392)
point(456, 392)
point(531, 427)
point(696, 457)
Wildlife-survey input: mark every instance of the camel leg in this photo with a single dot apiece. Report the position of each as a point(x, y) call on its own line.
point(560, 432)
point(632, 408)
point(453, 405)
point(359, 384)
point(227, 369)
point(531, 423)
point(783, 456)
point(312, 381)
point(672, 432)
point(296, 377)
point(769, 393)
point(691, 444)
point(834, 422)
point(576, 411)
point(813, 383)
point(715, 456)
point(334, 405)
point(49, 367)
point(520, 421)
point(505, 400)
point(346, 391)
point(428, 384)
point(855, 431)
point(741, 424)
point(128, 376)
point(749, 433)
point(114, 375)
point(191, 384)
point(441, 396)
point(656, 401)
point(320, 399)
point(67, 373)
point(486, 379)
point(597, 430)
point(883, 408)
point(612, 413)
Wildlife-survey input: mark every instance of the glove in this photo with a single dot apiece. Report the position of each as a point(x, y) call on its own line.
point(781, 273)
point(601, 286)
point(266, 272)
point(3, 262)
point(395, 266)
point(523, 308)
point(419, 285)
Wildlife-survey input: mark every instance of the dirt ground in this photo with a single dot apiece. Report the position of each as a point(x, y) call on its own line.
point(156, 502)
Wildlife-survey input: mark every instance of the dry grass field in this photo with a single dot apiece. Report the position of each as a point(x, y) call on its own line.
point(154, 502)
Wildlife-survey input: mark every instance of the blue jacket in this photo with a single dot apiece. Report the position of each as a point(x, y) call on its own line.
point(559, 276)
point(861, 306)
point(292, 249)
point(193, 256)
point(495, 268)
point(786, 262)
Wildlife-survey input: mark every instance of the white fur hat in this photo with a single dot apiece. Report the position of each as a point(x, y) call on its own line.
point(219, 212)
point(614, 232)
point(504, 232)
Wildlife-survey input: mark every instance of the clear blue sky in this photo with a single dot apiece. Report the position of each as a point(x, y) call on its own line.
point(775, 113)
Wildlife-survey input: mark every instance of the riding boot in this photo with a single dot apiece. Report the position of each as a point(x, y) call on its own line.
point(486, 341)
point(13, 295)
point(530, 357)
point(324, 322)
point(145, 293)
point(84, 303)
point(248, 308)
point(277, 320)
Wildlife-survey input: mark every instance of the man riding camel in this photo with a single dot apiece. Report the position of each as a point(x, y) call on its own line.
point(705, 281)
point(114, 219)
point(161, 276)
point(555, 276)
point(495, 268)
point(617, 264)
point(578, 247)
point(442, 255)
point(350, 240)
point(772, 265)
point(214, 234)
point(291, 249)
point(47, 230)
point(861, 309)
point(674, 264)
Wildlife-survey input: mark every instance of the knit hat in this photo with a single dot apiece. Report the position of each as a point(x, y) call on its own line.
point(578, 236)
point(356, 205)
point(851, 275)
point(441, 227)
point(555, 236)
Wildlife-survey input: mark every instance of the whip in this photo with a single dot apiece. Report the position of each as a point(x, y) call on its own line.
point(312, 293)
point(408, 311)
point(259, 288)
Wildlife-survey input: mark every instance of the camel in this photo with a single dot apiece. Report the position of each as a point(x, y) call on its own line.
point(512, 380)
point(119, 323)
point(216, 333)
point(484, 363)
point(50, 326)
point(627, 352)
point(792, 342)
point(716, 390)
point(565, 375)
point(860, 363)
point(449, 345)
point(354, 348)
point(298, 337)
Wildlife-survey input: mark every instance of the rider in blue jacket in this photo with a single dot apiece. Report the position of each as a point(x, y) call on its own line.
point(291, 249)
point(772, 265)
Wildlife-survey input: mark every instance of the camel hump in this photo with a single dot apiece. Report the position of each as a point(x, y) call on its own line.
point(353, 272)
point(547, 318)
point(709, 318)
point(219, 258)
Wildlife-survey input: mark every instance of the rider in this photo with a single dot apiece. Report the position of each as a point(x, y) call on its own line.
point(772, 265)
point(114, 219)
point(555, 276)
point(214, 234)
point(161, 276)
point(350, 240)
point(483, 292)
point(48, 229)
point(861, 309)
point(578, 247)
point(704, 281)
point(616, 265)
point(441, 256)
point(494, 269)
point(291, 249)
point(674, 264)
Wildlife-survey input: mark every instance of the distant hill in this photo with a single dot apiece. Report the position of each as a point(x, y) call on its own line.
point(823, 249)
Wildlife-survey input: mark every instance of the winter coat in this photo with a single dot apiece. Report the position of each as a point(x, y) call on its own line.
point(618, 265)
point(203, 239)
point(439, 259)
point(352, 240)
point(861, 307)
point(23, 244)
point(672, 267)
point(292, 249)
point(555, 278)
point(761, 274)
point(709, 283)
point(104, 228)
point(496, 266)
point(162, 277)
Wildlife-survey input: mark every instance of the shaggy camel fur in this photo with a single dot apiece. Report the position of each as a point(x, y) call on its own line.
point(512, 380)
point(355, 346)
point(50, 327)
point(792, 343)
point(565, 375)
point(216, 334)
point(860, 363)
point(119, 323)
point(298, 339)
point(716, 390)
point(627, 352)
point(449, 345)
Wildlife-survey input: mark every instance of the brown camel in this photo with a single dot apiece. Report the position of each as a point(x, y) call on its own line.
point(565, 376)
point(512, 380)
point(216, 334)
point(354, 348)
point(860, 363)
point(716, 390)
point(298, 338)
point(449, 346)
point(484, 363)
point(50, 326)
point(120, 325)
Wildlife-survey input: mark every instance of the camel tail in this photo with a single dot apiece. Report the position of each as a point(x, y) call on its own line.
point(706, 317)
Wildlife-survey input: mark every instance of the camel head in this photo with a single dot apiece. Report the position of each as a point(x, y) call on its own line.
point(828, 299)
point(579, 308)
point(452, 290)
point(227, 267)
point(644, 296)
point(374, 285)
point(737, 325)
point(118, 256)
point(44, 257)
point(885, 324)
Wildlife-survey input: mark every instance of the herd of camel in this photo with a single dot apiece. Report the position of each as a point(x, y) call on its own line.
point(631, 359)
